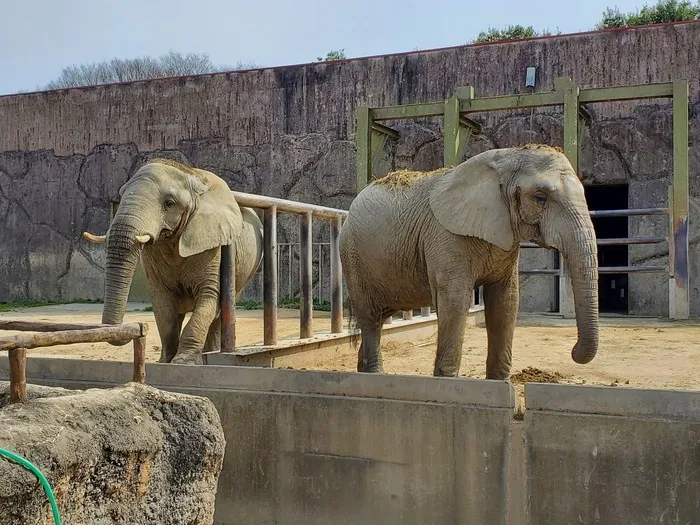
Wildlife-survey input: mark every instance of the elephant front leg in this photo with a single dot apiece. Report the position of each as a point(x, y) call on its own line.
point(195, 333)
point(501, 300)
point(369, 357)
point(451, 310)
point(169, 324)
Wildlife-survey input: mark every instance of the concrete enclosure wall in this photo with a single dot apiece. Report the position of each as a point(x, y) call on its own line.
point(322, 447)
point(289, 132)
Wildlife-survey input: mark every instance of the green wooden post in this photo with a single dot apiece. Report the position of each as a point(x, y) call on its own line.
point(363, 141)
point(571, 149)
point(451, 132)
point(681, 297)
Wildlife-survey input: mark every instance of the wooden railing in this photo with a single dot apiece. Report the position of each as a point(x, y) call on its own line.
point(52, 334)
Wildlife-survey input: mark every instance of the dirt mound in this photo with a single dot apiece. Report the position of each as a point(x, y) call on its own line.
point(535, 375)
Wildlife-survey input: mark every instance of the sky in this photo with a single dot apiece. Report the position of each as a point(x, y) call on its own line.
point(41, 37)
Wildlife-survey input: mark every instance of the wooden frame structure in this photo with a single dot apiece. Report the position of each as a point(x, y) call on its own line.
point(371, 135)
point(52, 334)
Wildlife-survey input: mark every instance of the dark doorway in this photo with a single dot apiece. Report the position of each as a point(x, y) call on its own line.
point(612, 287)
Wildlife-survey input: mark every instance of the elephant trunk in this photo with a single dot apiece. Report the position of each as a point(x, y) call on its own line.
point(123, 251)
point(580, 253)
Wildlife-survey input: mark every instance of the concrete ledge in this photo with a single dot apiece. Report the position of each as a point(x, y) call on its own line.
point(614, 401)
point(462, 391)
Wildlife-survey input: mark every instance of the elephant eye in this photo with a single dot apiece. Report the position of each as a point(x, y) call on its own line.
point(169, 203)
point(540, 197)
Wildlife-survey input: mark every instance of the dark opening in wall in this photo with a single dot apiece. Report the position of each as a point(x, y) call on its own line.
point(612, 287)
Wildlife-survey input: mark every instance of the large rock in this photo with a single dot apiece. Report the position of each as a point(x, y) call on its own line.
point(127, 455)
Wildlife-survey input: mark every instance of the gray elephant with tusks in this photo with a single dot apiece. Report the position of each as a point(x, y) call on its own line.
point(176, 218)
point(417, 239)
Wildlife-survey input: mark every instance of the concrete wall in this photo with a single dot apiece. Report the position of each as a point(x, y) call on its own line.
point(289, 132)
point(322, 447)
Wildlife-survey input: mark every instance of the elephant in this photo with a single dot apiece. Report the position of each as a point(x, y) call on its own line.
point(176, 218)
point(415, 239)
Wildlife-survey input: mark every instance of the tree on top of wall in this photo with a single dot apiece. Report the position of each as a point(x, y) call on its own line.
point(662, 11)
point(140, 68)
point(333, 55)
point(515, 32)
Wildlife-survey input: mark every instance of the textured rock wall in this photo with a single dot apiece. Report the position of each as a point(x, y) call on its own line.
point(131, 454)
point(289, 132)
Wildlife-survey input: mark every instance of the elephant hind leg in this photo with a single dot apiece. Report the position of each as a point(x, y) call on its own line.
point(213, 342)
point(369, 357)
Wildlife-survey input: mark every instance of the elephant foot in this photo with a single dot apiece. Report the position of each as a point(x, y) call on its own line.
point(187, 359)
point(371, 369)
point(438, 372)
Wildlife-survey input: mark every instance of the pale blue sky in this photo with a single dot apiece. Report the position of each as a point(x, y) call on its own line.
point(40, 37)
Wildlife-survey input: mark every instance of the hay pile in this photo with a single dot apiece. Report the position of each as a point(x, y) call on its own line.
point(406, 178)
point(534, 145)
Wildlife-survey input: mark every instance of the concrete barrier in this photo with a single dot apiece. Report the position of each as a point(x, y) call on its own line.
point(612, 455)
point(325, 447)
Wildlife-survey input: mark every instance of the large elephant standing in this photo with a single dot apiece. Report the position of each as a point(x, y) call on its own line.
point(176, 218)
point(410, 242)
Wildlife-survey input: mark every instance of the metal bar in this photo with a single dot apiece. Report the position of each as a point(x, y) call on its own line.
point(305, 276)
point(139, 360)
point(407, 315)
point(289, 271)
point(529, 100)
point(408, 111)
point(107, 334)
point(227, 297)
point(611, 94)
point(541, 271)
point(270, 276)
point(425, 311)
point(631, 269)
point(18, 375)
point(629, 212)
point(385, 130)
point(251, 200)
point(609, 242)
point(336, 279)
point(680, 199)
point(363, 140)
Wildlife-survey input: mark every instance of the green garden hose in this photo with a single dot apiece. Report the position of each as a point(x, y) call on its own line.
point(30, 467)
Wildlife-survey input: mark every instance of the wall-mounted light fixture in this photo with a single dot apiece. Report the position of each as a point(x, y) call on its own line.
point(530, 76)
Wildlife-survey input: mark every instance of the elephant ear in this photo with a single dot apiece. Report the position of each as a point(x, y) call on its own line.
point(467, 201)
point(216, 220)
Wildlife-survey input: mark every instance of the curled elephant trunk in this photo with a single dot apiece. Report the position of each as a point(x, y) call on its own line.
point(580, 254)
point(123, 251)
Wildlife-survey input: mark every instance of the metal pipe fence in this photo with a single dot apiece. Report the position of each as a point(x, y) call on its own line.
point(670, 238)
point(271, 258)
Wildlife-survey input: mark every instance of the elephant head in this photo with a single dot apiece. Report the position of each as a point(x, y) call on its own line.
point(532, 193)
point(165, 202)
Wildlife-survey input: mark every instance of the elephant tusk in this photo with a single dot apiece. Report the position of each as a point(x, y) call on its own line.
point(94, 238)
point(143, 239)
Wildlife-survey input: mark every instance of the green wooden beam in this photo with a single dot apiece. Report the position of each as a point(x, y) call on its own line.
point(612, 94)
point(469, 124)
point(363, 140)
point(385, 130)
point(408, 111)
point(511, 102)
point(681, 293)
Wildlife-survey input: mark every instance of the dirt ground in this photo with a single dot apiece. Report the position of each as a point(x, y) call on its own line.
point(634, 352)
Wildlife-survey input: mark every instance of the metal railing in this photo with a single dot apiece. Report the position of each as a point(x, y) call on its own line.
point(52, 334)
point(306, 212)
point(670, 238)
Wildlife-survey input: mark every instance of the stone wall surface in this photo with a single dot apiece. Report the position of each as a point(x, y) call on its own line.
point(130, 454)
point(289, 132)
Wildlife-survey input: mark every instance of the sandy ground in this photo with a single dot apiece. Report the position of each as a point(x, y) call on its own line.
point(634, 352)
